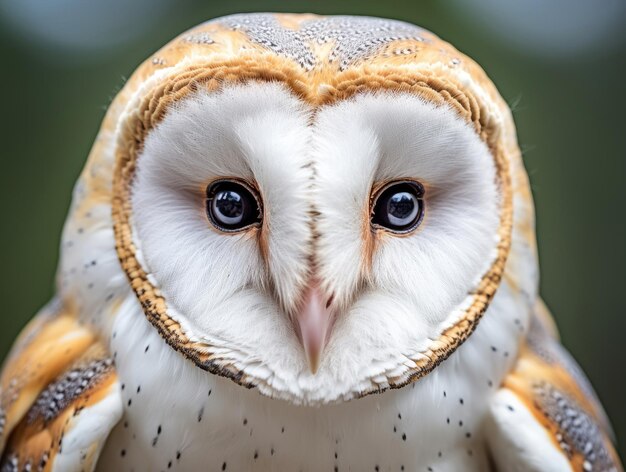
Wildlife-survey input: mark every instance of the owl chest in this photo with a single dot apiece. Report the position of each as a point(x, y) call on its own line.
point(231, 430)
point(178, 417)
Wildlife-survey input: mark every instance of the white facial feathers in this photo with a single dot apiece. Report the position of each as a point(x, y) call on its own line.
point(258, 134)
point(315, 170)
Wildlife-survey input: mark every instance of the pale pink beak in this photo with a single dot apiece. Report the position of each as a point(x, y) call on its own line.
point(313, 323)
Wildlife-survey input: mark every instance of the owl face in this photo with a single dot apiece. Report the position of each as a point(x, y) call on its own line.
point(317, 207)
point(316, 249)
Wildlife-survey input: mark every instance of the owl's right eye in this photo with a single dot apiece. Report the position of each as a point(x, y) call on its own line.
point(232, 205)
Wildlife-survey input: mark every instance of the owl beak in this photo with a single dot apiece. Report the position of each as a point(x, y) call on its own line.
point(313, 324)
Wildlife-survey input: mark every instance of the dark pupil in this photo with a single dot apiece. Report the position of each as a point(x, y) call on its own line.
point(401, 205)
point(229, 204)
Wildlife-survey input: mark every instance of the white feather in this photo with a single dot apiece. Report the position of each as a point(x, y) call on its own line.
point(519, 443)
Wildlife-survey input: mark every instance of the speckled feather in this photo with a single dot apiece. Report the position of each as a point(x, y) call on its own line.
point(551, 385)
point(108, 358)
point(72, 398)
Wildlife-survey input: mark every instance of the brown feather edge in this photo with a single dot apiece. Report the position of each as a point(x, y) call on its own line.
point(35, 361)
point(212, 75)
point(533, 374)
point(26, 447)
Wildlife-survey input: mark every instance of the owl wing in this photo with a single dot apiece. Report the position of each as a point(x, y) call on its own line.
point(546, 415)
point(59, 396)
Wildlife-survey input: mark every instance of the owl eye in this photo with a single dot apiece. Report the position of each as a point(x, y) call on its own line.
point(232, 205)
point(399, 207)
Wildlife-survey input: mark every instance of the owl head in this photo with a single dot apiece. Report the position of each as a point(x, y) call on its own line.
point(318, 207)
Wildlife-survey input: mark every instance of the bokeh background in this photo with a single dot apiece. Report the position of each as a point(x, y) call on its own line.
point(560, 64)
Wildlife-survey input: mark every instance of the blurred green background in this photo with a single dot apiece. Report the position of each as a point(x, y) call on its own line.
point(560, 64)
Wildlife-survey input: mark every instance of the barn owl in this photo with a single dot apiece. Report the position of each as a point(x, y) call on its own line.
point(281, 216)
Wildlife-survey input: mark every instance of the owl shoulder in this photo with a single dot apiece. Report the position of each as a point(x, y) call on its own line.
point(546, 415)
point(59, 396)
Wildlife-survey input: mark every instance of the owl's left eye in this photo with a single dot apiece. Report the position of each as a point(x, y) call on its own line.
point(398, 207)
point(232, 205)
